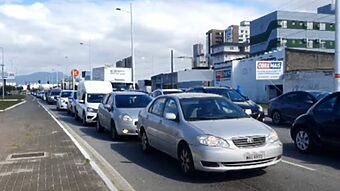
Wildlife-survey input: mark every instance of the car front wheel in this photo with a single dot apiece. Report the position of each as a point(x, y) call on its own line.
point(276, 118)
point(186, 161)
point(146, 148)
point(114, 134)
point(99, 127)
point(303, 140)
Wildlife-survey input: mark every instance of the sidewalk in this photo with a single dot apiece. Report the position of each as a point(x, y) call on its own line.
point(28, 128)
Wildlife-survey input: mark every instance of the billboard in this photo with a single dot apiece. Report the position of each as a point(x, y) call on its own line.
point(8, 75)
point(269, 70)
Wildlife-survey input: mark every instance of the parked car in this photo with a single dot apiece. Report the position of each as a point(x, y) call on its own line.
point(289, 106)
point(62, 100)
point(118, 113)
point(52, 96)
point(319, 126)
point(71, 104)
point(159, 92)
point(249, 106)
point(90, 95)
point(207, 132)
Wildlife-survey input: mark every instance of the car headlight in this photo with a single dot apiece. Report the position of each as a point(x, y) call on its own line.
point(248, 111)
point(260, 108)
point(126, 117)
point(212, 141)
point(273, 137)
point(90, 109)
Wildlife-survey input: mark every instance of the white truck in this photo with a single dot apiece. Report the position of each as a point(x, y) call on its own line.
point(120, 78)
point(90, 94)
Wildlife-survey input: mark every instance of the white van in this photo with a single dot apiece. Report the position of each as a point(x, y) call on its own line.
point(90, 94)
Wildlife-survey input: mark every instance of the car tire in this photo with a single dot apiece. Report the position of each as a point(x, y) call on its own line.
point(146, 148)
point(276, 117)
point(76, 117)
point(114, 135)
point(303, 140)
point(84, 119)
point(186, 162)
point(99, 127)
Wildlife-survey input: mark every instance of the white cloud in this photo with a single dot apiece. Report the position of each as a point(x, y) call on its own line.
point(38, 36)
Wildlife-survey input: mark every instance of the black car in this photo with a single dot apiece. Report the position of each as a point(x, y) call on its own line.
point(319, 126)
point(291, 105)
point(254, 109)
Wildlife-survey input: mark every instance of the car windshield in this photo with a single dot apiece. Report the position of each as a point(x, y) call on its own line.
point(319, 95)
point(172, 92)
point(66, 94)
point(132, 101)
point(235, 96)
point(210, 108)
point(55, 93)
point(95, 98)
point(218, 91)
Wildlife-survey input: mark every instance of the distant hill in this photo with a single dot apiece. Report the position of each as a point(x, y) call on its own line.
point(35, 77)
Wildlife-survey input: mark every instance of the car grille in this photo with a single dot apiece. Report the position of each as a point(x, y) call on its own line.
point(250, 163)
point(254, 141)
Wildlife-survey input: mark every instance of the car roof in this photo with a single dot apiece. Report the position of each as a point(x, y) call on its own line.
point(169, 90)
point(128, 93)
point(192, 95)
point(212, 87)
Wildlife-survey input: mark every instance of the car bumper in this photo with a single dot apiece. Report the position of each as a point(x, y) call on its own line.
point(215, 159)
point(63, 106)
point(125, 128)
point(258, 115)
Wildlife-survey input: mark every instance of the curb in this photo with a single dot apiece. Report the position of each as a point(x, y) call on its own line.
point(106, 172)
point(13, 106)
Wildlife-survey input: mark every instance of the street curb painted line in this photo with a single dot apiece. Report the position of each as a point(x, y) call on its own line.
point(13, 106)
point(106, 180)
point(298, 165)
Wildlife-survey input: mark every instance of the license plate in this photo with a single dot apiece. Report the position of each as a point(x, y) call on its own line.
point(254, 156)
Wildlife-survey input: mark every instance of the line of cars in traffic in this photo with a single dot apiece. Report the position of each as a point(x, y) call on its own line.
point(205, 128)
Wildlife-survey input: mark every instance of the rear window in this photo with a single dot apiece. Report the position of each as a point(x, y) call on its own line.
point(66, 94)
point(132, 101)
point(55, 93)
point(95, 98)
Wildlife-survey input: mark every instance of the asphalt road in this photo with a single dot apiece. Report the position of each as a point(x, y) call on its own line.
point(157, 171)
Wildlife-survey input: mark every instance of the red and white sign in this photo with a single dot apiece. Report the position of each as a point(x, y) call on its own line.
point(269, 70)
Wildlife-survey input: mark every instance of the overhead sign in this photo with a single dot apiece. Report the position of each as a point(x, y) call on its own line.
point(8, 75)
point(269, 70)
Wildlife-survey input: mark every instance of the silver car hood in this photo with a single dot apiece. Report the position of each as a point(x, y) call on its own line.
point(228, 128)
point(133, 112)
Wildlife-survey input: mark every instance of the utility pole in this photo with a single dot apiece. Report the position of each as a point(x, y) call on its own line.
point(3, 73)
point(337, 47)
point(172, 66)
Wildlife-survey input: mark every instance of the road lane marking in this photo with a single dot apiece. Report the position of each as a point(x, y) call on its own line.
point(298, 165)
point(100, 172)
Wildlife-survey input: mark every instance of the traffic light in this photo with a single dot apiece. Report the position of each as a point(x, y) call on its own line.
point(39, 81)
point(48, 82)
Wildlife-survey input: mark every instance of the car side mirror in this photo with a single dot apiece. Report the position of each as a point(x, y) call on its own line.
point(55, 97)
point(108, 107)
point(81, 101)
point(171, 116)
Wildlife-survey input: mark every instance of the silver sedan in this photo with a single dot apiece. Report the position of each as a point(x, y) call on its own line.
point(118, 112)
point(207, 132)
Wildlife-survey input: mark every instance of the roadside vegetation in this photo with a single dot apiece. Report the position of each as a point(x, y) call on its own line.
point(7, 104)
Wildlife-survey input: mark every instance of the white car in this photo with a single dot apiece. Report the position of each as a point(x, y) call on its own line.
point(159, 92)
point(207, 132)
point(62, 99)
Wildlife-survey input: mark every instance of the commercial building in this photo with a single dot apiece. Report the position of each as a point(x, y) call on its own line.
point(125, 63)
point(238, 33)
point(213, 37)
point(228, 51)
point(293, 30)
point(327, 9)
point(303, 69)
point(183, 79)
point(199, 60)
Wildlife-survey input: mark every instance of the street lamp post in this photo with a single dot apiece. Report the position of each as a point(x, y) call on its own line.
point(89, 45)
point(132, 48)
point(3, 73)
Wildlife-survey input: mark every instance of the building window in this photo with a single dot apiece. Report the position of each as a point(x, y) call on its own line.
point(301, 23)
point(331, 43)
point(322, 26)
point(309, 43)
point(309, 25)
point(293, 23)
point(283, 24)
point(322, 44)
point(293, 41)
point(283, 42)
